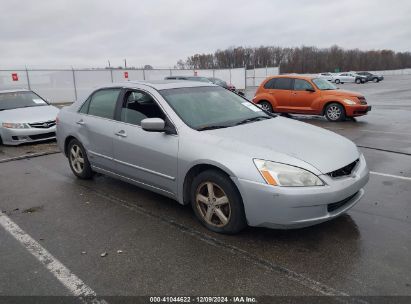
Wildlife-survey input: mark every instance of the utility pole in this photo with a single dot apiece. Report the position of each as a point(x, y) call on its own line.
point(109, 65)
point(125, 63)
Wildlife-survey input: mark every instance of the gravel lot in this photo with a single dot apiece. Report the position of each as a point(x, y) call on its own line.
point(163, 249)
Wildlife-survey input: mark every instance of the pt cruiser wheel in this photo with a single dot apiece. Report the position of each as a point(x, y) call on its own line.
point(335, 112)
point(78, 160)
point(217, 202)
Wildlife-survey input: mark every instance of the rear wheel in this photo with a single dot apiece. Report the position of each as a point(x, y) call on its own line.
point(358, 81)
point(78, 160)
point(335, 112)
point(266, 106)
point(376, 79)
point(337, 81)
point(217, 203)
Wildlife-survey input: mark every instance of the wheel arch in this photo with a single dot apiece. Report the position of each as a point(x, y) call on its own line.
point(197, 169)
point(330, 102)
point(66, 143)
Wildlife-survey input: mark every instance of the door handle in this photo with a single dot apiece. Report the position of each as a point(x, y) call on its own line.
point(121, 133)
point(81, 122)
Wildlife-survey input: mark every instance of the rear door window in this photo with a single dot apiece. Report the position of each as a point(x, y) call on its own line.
point(283, 84)
point(103, 103)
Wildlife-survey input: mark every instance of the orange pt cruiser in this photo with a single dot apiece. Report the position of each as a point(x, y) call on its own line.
point(309, 95)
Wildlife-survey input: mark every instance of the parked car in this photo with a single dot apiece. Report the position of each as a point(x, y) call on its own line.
point(327, 76)
point(225, 85)
point(309, 95)
point(371, 77)
point(191, 78)
point(349, 77)
point(201, 144)
point(25, 117)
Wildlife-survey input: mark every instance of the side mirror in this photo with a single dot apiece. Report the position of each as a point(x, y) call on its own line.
point(153, 124)
point(310, 90)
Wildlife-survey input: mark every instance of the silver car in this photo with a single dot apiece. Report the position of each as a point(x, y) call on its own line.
point(206, 146)
point(25, 117)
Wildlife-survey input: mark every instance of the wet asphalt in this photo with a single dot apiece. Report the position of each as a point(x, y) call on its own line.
point(165, 251)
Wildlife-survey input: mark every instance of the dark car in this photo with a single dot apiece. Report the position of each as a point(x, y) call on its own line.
point(371, 77)
point(225, 85)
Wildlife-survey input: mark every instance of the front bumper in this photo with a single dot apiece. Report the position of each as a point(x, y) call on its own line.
point(296, 207)
point(20, 136)
point(356, 110)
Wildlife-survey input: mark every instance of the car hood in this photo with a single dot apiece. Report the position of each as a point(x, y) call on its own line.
point(320, 148)
point(342, 93)
point(29, 115)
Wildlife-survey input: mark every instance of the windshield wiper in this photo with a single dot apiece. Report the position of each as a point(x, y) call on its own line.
point(257, 118)
point(212, 127)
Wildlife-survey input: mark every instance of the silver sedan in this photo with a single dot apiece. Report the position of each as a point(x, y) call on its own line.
point(25, 117)
point(206, 146)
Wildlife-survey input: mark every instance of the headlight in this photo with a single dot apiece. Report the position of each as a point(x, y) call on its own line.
point(349, 102)
point(10, 125)
point(277, 174)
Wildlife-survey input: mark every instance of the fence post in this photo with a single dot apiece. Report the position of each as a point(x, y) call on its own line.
point(144, 74)
point(74, 84)
point(111, 75)
point(28, 79)
point(230, 77)
point(171, 74)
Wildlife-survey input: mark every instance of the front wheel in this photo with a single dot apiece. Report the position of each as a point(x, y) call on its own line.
point(358, 81)
point(375, 80)
point(337, 81)
point(335, 112)
point(78, 160)
point(217, 203)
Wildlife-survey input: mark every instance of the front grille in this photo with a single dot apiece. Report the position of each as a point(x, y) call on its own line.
point(43, 124)
point(344, 171)
point(334, 206)
point(43, 136)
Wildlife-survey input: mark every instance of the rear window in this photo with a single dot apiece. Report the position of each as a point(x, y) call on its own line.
point(270, 84)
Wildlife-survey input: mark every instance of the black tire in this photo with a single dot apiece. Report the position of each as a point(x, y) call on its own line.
point(358, 81)
point(1, 141)
point(375, 80)
point(334, 112)
point(204, 203)
point(266, 106)
point(75, 165)
point(337, 81)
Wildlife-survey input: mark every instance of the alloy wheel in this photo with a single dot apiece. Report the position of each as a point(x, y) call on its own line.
point(213, 204)
point(334, 112)
point(77, 159)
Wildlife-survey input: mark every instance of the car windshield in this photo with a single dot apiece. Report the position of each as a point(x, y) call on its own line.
point(15, 100)
point(323, 84)
point(204, 108)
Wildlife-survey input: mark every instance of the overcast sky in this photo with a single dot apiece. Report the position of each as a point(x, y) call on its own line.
point(87, 33)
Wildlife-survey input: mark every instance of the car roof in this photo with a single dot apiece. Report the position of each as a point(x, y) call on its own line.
point(14, 91)
point(294, 76)
point(160, 84)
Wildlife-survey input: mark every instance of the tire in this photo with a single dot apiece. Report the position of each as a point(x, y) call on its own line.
point(375, 80)
point(223, 210)
point(335, 112)
point(79, 164)
point(358, 81)
point(266, 106)
point(337, 81)
point(1, 141)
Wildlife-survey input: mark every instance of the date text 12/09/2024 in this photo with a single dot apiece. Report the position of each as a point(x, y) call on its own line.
point(233, 299)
